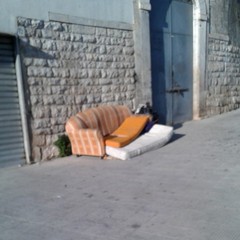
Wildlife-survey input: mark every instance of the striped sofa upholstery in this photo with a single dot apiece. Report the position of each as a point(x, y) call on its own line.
point(86, 130)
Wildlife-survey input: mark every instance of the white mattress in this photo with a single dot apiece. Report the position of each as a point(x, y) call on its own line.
point(157, 137)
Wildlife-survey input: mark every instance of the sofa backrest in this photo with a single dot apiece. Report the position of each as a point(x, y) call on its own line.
point(74, 123)
point(106, 118)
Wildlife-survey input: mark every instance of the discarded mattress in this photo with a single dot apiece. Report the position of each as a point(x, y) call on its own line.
point(129, 130)
point(157, 137)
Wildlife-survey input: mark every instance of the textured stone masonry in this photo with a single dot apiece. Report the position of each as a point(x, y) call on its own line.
point(223, 77)
point(69, 68)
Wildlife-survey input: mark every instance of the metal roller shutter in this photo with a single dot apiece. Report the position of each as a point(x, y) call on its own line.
point(11, 135)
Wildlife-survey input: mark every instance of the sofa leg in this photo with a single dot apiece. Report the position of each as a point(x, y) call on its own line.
point(78, 155)
point(104, 157)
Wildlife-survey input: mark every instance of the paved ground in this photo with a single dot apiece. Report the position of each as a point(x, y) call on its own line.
point(189, 189)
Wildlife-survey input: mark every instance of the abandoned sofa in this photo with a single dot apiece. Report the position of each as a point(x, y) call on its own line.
point(109, 129)
point(91, 130)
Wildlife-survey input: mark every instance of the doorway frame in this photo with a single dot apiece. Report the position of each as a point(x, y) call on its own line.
point(200, 43)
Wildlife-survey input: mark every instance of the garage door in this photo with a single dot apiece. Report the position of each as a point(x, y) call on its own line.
point(11, 135)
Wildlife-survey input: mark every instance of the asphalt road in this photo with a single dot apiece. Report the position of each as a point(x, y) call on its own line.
point(189, 189)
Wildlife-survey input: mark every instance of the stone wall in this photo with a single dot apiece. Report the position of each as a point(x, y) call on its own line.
point(68, 68)
point(223, 68)
point(223, 77)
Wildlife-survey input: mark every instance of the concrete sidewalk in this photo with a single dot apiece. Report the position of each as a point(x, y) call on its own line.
point(189, 189)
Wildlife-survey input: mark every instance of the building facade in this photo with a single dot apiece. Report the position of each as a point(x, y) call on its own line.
point(181, 56)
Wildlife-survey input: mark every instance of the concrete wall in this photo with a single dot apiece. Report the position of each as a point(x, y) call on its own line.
point(104, 10)
point(223, 68)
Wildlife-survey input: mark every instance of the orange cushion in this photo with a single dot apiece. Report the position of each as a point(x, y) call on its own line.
point(127, 132)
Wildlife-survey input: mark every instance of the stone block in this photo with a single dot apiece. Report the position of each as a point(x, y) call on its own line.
point(105, 81)
point(53, 63)
point(120, 97)
point(37, 24)
point(109, 97)
point(100, 40)
point(106, 89)
point(129, 65)
point(115, 88)
point(41, 112)
point(49, 152)
point(127, 34)
point(49, 45)
point(69, 100)
point(33, 81)
point(30, 32)
point(58, 129)
point(47, 33)
point(106, 58)
point(38, 62)
point(64, 46)
point(37, 154)
point(114, 50)
point(128, 51)
point(90, 82)
point(114, 33)
point(36, 100)
point(89, 39)
point(41, 123)
point(28, 61)
point(129, 80)
point(117, 65)
point(42, 131)
point(55, 26)
point(101, 31)
point(48, 100)
point(94, 73)
point(97, 90)
point(117, 41)
point(38, 140)
point(60, 72)
point(59, 121)
point(89, 65)
point(39, 72)
point(58, 99)
point(124, 88)
point(59, 90)
point(36, 90)
point(102, 49)
point(25, 22)
point(117, 81)
point(93, 99)
point(131, 87)
point(36, 43)
point(130, 73)
point(129, 42)
point(81, 99)
point(130, 96)
point(59, 112)
point(21, 32)
point(78, 73)
point(79, 90)
point(113, 73)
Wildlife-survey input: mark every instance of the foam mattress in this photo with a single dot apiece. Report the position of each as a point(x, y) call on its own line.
point(157, 137)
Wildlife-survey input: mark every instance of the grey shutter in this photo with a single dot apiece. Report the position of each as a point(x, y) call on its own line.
point(11, 136)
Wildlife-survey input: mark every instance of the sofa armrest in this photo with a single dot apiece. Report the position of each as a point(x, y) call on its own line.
point(87, 142)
